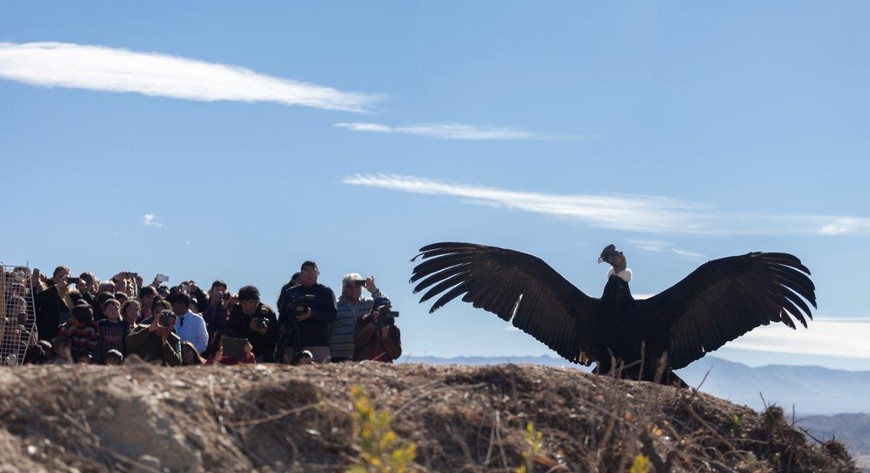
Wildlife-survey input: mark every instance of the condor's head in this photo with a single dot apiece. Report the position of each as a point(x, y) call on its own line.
point(615, 259)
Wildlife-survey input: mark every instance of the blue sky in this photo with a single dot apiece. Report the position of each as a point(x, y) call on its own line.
point(219, 140)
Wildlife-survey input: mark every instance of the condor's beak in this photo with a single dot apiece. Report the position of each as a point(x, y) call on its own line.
point(600, 260)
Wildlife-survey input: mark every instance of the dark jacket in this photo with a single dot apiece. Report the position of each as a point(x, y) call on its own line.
point(369, 345)
point(113, 336)
point(314, 331)
point(201, 300)
point(239, 325)
point(51, 311)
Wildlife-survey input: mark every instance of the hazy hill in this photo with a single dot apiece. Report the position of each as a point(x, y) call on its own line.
point(851, 429)
point(805, 389)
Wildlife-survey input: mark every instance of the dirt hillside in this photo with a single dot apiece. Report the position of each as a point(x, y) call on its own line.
point(277, 418)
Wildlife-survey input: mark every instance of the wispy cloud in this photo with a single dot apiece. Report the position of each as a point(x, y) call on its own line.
point(633, 213)
point(119, 70)
point(151, 221)
point(446, 131)
point(653, 246)
point(823, 337)
point(689, 255)
point(658, 246)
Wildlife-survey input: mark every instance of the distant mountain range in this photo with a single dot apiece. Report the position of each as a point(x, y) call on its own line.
point(805, 390)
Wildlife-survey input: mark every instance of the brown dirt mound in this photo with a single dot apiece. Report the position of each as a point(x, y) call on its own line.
point(277, 418)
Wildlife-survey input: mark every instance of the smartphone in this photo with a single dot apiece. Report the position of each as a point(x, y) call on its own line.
point(162, 278)
point(74, 280)
point(360, 283)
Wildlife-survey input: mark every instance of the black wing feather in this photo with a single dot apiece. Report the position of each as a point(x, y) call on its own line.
point(728, 297)
point(515, 286)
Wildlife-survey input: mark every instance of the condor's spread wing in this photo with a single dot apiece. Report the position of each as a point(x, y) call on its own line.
point(728, 297)
point(515, 286)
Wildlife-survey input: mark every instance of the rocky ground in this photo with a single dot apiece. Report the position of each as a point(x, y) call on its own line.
point(277, 418)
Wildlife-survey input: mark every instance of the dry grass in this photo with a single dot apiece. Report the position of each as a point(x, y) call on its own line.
point(461, 418)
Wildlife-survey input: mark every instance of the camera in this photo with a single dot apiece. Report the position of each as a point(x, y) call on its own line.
point(132, 275)
point(386, 317)
point(299, 303)
point(226, 296)
point(359, 283)
point(74, 280)
point(166, 318)
point(261, 322)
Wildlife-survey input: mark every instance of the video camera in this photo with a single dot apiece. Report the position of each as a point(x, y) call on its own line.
point(386, 317)
point(299, 303)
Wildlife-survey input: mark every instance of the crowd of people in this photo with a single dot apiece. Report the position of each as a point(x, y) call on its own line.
point(83, 320)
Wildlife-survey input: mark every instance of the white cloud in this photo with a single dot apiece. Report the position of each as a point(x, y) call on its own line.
point(150, 221)
point(832, 337)
point(633, 213)
point(654, 246)
point(447, 131)
point(118, 70)
point(845, 225)
point(689, 255)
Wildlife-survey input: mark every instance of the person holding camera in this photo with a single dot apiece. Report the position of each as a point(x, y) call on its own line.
point(87, 286)
point(53, 305)
point(294, 281)
point(157, 341)
point(304, 320)
point(256, 322)
point(351, 306)
point(376, 335)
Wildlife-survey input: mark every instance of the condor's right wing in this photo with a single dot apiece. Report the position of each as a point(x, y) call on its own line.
point(517, 287)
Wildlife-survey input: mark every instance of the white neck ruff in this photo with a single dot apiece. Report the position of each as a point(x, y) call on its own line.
point(625, 274)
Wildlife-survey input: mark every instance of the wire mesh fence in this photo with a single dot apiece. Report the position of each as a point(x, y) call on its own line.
point(17, 313)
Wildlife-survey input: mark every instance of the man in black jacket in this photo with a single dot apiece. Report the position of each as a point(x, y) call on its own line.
point(255, 321)
point(304, 320)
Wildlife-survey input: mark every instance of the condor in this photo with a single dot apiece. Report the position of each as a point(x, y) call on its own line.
point(642, 339)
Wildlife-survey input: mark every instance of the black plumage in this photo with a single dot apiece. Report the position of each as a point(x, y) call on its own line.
point(637, 339)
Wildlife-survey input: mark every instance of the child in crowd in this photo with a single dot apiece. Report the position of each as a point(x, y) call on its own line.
point(130, 312)
point(113, 330)
point(82, 331)
point(113, 358)
point(304, 357)
point(62, 347)
point(189, 356)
